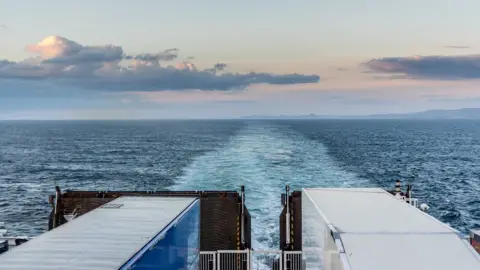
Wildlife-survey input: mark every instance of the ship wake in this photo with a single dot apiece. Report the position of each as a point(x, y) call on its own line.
point(265, 158)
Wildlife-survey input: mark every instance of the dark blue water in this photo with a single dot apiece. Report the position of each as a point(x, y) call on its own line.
point(441, 159)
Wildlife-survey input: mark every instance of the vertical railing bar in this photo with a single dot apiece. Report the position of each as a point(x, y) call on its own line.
point(280, 262)
point(214, 258)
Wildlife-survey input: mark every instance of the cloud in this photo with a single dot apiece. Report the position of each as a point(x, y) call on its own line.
point(89, 55)
point(21, 70)
point(232, 102)
point(457, 47)
point(106, 67)
point(55, 46)
point(167, 55)
point(217, 67)
point(5, 63)
point(429, 67)
point(391, 77)
point(3, 26)
point(220, 66)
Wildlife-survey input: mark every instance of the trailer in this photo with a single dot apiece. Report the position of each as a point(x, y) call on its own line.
point(126, 233)
point(369, 228)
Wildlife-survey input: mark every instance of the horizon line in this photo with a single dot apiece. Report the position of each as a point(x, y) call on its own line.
point(308, 116)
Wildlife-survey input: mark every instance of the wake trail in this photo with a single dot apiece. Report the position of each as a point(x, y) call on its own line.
point(265, 158)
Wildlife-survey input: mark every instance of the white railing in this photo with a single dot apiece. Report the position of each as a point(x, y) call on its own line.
point(292, 260)
point(413, 202)
point(233, 260)
point(251, 260)
point(208, 260)
point(266, 259)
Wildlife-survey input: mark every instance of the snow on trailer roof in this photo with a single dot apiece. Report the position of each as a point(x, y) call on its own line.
point(104, 238)
point(378, 231)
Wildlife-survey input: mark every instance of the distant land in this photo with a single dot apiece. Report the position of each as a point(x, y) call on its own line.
point(466, 113)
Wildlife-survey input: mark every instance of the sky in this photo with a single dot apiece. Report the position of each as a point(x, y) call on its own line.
point(119, 59)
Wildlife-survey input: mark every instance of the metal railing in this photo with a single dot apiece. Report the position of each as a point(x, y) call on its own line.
point(266, 259)
point(251, 260)
point(208, 260)
point(292, 260)
point(412, 201)
point(233, 260)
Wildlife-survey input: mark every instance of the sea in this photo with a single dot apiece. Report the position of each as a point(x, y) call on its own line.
point(440, 158)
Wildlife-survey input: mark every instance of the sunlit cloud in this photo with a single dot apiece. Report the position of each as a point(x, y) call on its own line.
point(108, 68)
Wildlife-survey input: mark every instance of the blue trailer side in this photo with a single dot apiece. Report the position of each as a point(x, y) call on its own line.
point(175, 247)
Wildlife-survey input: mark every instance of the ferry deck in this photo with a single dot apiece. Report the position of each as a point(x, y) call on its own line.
point(319, 228)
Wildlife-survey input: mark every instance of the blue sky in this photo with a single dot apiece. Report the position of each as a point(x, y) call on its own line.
point(182, 59)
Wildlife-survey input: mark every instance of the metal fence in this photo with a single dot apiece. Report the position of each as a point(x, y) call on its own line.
point(292, 260)
point(251, 260)
point(266, 259)
point(233, 260)
point(208, 260)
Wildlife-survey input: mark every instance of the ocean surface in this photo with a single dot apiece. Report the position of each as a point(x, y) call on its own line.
point(440, 158)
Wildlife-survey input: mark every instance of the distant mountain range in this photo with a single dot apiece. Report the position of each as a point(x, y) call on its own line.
point(466, 113)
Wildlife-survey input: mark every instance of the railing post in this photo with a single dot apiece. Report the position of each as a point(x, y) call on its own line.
point(287, 216)
point(280, 261)
point(242, 217)
point(56, 215)
point(214, 261)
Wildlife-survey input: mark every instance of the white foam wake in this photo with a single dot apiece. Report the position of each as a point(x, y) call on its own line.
point(265, 158)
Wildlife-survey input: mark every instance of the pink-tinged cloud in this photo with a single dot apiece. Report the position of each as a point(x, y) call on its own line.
point(108, 68)
point(55, 46)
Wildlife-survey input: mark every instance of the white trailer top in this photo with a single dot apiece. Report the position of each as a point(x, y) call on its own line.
point(102, 239)
point(377, 231)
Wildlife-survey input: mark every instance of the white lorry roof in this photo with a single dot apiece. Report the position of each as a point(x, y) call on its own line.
point(104, 238)
point(377, 231)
